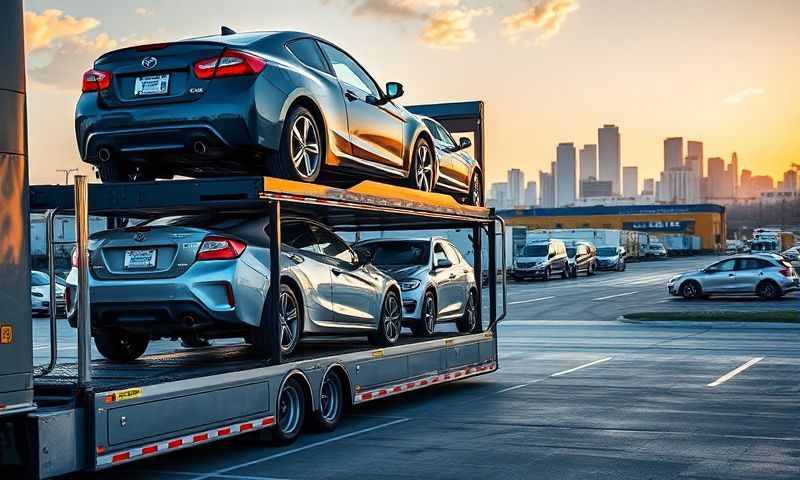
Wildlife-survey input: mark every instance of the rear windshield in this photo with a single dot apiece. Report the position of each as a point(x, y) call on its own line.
point(606, 251)
point(535, 251)
point(210, 221)
point(399, 253)
point(39, 279)
point(763, 246)
point(238, 39)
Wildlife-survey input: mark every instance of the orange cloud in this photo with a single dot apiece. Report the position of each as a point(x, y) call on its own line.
point(400, 8)
point(546, 16)
point(42, 30)
point(452, 28)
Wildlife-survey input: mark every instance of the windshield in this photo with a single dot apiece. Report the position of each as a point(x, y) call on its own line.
point(572, 251)
point(763, 246)
point(399, 253)
point(39, 279)
point(535, 251)
point(606, 252)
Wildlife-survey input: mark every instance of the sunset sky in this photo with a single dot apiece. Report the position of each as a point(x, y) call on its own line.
point(725, 72)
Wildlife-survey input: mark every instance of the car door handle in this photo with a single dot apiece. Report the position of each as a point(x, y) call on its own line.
point(336, 271)
point(350, 95)
point(296, 258)
point(731, 274)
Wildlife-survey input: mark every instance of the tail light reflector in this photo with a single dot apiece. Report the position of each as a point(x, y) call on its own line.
point(216, 247)
point(96, 80)
point(232, 63)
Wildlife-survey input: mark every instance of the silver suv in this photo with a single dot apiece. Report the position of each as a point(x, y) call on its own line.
point(766, 276)
point(541, 259)
point(437, 283)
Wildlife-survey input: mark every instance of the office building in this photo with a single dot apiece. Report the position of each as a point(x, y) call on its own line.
point(547, 198)
point(609, 157)
point(566, 177)
point(673, 153)
point(790, 181)
point(596, 188)
point(630, 181)
point(679, 185)
point(649, 187)
point(718, 184)
point(588, 162)
point(694, 155)
point(498, 195)
point(516, 187)
point(531, 200)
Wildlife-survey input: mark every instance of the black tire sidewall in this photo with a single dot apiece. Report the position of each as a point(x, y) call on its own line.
point(108, 344)
point(379, 338)
point(278, 436)
point(325, 425)
point(412, 173)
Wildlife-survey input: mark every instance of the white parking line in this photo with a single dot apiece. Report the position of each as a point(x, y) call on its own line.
point(298, 449)
point(614, 296)
point(735, 372)
point(531, 300)
point(602, 360)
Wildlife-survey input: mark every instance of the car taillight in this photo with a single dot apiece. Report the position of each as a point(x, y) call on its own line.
point(96, 80)
point(232, 63)
point(220, 248)
point(786, 272)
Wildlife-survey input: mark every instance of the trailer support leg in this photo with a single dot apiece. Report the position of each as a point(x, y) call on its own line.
point(273, 326)
point(84, 315)
point(477, 260)
point(492, 268)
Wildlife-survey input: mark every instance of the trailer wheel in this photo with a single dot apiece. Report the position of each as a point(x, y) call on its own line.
point(469, 321)
point(120, 345)
point(331, 403)
point(390, 323)
point(291, 412)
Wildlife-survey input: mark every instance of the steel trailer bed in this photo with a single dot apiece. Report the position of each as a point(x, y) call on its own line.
point(94, 414)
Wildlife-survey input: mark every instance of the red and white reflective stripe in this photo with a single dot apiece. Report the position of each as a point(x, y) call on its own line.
point(171, 445)
point(15, 406)
point(390, 390)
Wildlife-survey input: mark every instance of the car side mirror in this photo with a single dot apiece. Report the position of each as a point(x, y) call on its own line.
point(363, 256)
point(394, 90)
point(464, 143)
point(443, 263)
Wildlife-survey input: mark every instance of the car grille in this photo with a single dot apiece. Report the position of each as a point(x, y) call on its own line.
point(525, 265)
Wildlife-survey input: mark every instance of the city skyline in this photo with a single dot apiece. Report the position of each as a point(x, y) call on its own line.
point(532, 77)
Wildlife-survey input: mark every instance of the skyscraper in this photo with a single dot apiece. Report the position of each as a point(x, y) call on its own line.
point(649, 187)
point(565, 174)
point(733, 174)
point(610, 161)
point(679, 185)
point(516, 187)
point(717, 179)
point(630, 181)
point(531, 200)
point(498, 195)
point(790, 181)
point(588, 162)
point(694, 151)
point(673, 153)
point(547, 190)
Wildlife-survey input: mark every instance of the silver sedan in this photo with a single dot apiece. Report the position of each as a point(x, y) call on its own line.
point(764, 275)
point(437, 283)
point(207, 276)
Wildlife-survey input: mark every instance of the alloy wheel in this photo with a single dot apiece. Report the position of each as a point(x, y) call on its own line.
point(423, 167)
point(288, 316)
point(391, 318)
point(304, 146)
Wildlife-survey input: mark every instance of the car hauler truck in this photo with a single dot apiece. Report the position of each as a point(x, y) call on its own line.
point(91, 415)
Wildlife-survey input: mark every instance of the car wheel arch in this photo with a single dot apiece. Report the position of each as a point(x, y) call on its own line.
point(339, 370)
point(410, 153)
point(293, 284)
point(311, 403)
point(303, 99)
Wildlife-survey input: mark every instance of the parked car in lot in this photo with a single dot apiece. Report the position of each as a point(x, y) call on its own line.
point(437, 283)
point(207, 276)
point(286, 104)
point(582, 257)
point(457, 172)
point(611, 258)
point(541, 259)
point(792, 254)
point(762, 275)
point(40, 295)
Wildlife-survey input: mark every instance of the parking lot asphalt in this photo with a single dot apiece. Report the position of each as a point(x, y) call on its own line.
point(578, 395)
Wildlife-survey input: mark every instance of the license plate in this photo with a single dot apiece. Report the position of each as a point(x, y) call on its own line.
point(151, 85)
point(140, 259)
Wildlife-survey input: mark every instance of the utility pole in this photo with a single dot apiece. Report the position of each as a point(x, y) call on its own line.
point(66, 172)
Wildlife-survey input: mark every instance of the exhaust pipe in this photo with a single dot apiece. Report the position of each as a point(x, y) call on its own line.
point(189, 321)
point(200, 147)
point(104, 154)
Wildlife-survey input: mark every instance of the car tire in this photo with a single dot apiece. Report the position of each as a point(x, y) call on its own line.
point(292, 326)
point(331, 403)
point(302, 150)
point(475, 196)
point(690, 290)
point(423, 166)
point(120, 345)
point(768, 290)
point(591, 270)
point(194, 341)
point(468, 323)
point(290, 413)
point(390, 323)
point(546, 277)
point(426, 325)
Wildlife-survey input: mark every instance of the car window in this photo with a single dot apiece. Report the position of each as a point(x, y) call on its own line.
point(298, 235)
point(39, 279)
point(331, 245)
point(535, 251)
point(452, 254)
point(349, 71)
point(307, 51)
point(723, 266)
point(439, 254)
point(399, 253)
point(432, 127)
point(446, 137)
point(752, 264)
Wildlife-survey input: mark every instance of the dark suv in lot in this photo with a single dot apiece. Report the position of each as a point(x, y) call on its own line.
point(541, 260)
